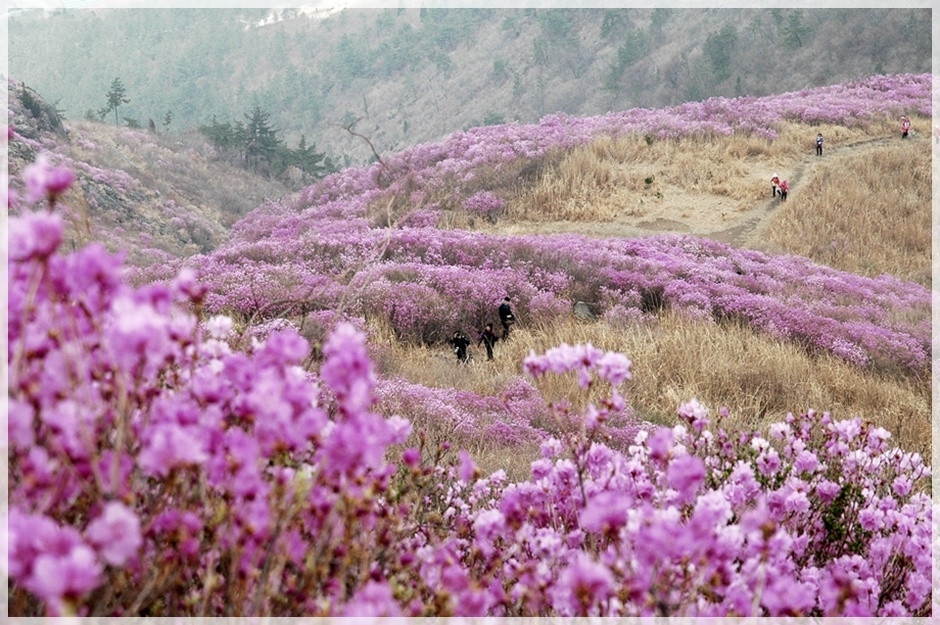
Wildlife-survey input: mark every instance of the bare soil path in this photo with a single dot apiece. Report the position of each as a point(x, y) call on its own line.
point(742, 224)
point(749, 231)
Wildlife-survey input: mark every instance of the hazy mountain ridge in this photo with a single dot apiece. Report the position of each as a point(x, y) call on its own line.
point(402, 77)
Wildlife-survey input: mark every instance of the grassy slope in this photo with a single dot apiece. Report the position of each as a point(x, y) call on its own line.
point(863, 207)
point(152, 195)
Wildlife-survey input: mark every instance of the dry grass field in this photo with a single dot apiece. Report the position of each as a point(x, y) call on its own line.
point(864, 207)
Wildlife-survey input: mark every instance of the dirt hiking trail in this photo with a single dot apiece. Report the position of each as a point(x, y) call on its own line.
point(749, 231)
point(739, 223)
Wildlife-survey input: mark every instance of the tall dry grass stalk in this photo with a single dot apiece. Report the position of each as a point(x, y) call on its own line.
point(868, 213)
point(78, 234)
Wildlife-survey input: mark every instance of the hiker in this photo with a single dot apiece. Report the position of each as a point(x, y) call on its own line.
point(784, 189)
point(506, 317)
point(905, 126)
point(775, 184)
point(461, 342)
point(488, 338)
point(819, 143)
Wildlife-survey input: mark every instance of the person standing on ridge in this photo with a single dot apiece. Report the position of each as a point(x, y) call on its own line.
point(506, 317)
point(819, 144)
point(488, 338)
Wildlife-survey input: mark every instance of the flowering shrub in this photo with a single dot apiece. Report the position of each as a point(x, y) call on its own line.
point(871, 322)
point(485, 204)
point(155, 471)
point(820, 517)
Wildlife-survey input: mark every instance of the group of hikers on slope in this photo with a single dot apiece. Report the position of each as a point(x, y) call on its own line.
point(487, 336)
point(783, 187)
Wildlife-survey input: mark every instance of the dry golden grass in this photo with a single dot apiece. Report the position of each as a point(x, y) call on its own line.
point(675, 359)
point(610, 177)
point(867, 213)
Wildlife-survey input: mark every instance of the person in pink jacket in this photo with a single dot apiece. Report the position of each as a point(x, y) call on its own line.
point(784, 189)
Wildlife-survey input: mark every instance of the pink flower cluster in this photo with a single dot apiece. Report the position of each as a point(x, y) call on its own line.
point(693, 521)
point(431, 281)
point(485, 204)
point(46, 181)
point(146, 454)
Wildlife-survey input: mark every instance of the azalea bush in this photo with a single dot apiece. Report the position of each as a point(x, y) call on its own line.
point(878, 322)
point(486, 204)
point(160, 467)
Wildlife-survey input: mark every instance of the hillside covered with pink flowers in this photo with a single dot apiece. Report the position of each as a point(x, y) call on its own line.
point(230, 427)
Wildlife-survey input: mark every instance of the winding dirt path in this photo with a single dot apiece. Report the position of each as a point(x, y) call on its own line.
point(681, 211)
point(749, 232)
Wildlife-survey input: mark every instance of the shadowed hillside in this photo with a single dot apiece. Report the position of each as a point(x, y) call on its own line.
point(153, 196)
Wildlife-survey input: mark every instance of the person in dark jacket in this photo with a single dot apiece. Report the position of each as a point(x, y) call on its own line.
point(461, 342)
point(506, 318)
point(488, 338)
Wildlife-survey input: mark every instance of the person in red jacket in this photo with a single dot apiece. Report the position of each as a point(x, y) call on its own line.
point(784, 189)
point(905, 126)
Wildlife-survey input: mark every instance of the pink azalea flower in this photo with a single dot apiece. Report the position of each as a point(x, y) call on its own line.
point(784, 596)
point(35, 236)
point(167, 445)
point(347, 369)
point(411, 457)
point(467, 469)
point(606, 512)
point(375, 599)
point(115, 533)
point(685, 474)
point(582, 586)
point(42, 180)
point(694, 413)
point(901, 486)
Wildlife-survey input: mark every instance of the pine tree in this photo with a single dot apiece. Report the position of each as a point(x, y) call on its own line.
point(116, 95)
point(259, 139)
point(313, 164)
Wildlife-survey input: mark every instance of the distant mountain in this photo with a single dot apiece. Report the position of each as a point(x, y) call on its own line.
point(365, 82)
